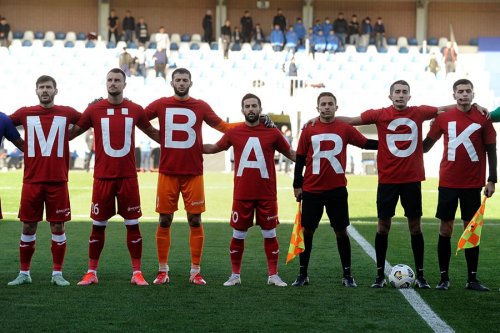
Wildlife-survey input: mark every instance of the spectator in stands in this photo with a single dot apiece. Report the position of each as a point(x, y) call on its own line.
point(145, 146)
point(280, 20)
point(292, 69)
point(379, 31)
point(72, 159)
point(433, 66)
point(317, 26)
point(128, 26)
point(332, 42)
point(277, 38)
point(310, 39)
point(162, 39)
point(246, 27)
point(140, 62)
point(449, 57)
point(320, 42)
point(237, 36)
point(113, 24)
point(258, 34)
point(300, 30)
point(15, 159)
point(207, 27)
point(326, 27)
point(226, 37)
point(141, 31)
point(126, 62)
point(161, 60)
point(89, 140)
point(4, 32)
point(354, 30)
point(366, 31)
point(340, 26)
point(291, 40)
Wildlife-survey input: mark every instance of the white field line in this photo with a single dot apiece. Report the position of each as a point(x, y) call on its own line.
point(417, 303)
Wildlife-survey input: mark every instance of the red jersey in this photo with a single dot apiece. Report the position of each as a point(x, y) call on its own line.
point(46, 147)
point(464, 156)
point(324, 146)
point(400, 157)
point(180, 132)
point(254, 171)
point(114, 133)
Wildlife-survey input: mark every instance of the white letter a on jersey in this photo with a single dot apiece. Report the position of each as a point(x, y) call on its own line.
point(253, 144)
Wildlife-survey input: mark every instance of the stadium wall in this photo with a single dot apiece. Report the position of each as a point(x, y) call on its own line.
point(469, 18)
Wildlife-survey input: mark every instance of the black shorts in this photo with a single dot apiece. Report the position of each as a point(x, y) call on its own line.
point(336, 205)
point(470, 201)
point(388, 195)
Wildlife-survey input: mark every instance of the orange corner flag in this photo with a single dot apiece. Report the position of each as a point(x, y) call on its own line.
point(297, 239)
point(472, 234)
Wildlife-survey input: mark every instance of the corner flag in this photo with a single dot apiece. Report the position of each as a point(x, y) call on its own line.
point(472, 234)
point(297, 239)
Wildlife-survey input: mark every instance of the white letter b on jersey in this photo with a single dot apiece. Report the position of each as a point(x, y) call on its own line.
point(187, 127)
point(35, 128)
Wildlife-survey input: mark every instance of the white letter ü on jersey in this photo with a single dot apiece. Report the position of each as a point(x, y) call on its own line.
point(318, 154)
point(464, 138)
point(187, 127)
point(393, 138)
point(35, 128)
point(106, 139)
point(253, 144)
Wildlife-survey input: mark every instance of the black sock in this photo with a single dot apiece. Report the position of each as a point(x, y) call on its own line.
point(344, 248)
point(304, 256)
point(381, 242)
point(472, 258)
point(417, 246)
point(444, 255)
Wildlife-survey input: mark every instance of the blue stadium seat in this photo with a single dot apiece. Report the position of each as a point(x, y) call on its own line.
point(382, 49)
point(236, 47)
point(403, 49)
point(110, 45)
point(474, 41)
point(412, 41)
point(27, 43)
point(433, 41)
point(60, 35)
point(185, 38)
point(18, 34)
point(194, 46)
point(131, 45)
point(81, 36)
point(48, 43)
point(257, 47)
point(361, 49)
point(152, 46)
point(69, 44)
point(39, 35)
point(214, 46)
point(90, 45)
point(340, 49)
point(392, 41)
point(174, 47)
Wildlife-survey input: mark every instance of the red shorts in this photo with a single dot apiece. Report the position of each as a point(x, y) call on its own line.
point(126, 192)
point(266, 214)
point(55, 196)
point(169, 188)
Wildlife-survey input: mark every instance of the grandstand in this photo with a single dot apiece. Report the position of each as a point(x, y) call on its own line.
point(360, 78)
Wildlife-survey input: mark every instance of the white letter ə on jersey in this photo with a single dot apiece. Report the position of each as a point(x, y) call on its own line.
point(318, 154)
point(253, 143)
point(35, 127)
point(187, 127)
point(464, 138)
point(393, 138)
point(106, 140)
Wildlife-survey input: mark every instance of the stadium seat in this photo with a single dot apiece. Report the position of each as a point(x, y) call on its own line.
point(433, 41)
point(196, 38)
point(175, 38)
point(18, 35)
point(474, 41)
point(392, 40)
point(90, 45)
point(174, 46)
point(50, 35)
point(81, 36)
point(29, 35)
point(152, 45)
point(27, 43)
point(69, 44)
point(60, 35)
point(214, 46)
point(402, 41)
point(413, 41)
point(236, 47)
point(361, 49)
point(403, 49)
point(71, 36)
point(111, 45)
point(131, 45)
point(442, 42)
point(48, 43)
point(39, 35)
point(257, 47)
point(382, 49)
point(194, 46)
point(185, 37)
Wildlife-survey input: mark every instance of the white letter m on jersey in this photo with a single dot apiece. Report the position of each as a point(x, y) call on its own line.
point(253, 144)
point(464, 138)
point(35, 128)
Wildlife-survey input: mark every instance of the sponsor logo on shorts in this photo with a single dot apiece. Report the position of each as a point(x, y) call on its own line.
point(137, 208)
point(275, 252)
point(65, 211)
point(197, 203)
point(269, 218)
point(234, 216)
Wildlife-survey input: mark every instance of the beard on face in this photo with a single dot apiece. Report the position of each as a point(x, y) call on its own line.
point(114, 93)
point(252, 118)
point(181, 93)
point(50, 100)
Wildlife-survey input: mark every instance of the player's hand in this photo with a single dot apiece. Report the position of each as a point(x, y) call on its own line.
point(483, 111)
point(311, 122)
point(96, 100)
point(266, 120)
point(297, 192)
point(489, 189)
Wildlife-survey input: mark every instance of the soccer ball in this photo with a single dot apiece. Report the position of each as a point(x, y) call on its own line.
point(401, 276)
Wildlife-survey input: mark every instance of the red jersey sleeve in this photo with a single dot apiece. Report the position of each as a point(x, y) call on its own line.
point(435, 131)
point(85, 122)
point(355, 137)
point(370, 116)
point(16, 117)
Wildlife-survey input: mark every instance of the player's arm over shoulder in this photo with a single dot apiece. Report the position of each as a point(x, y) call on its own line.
point(211, 148)
point(354, 121)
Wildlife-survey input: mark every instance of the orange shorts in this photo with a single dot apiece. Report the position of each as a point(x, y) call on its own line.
point(169, 187)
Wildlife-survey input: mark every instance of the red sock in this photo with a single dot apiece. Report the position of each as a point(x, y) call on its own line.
point(271, 248)
point(58, 249)
point(236, 249)
point(26, 250)
point(96, 244)
point(134, 244)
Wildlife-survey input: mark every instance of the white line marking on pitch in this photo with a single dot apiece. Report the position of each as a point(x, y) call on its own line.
point(417, 303)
